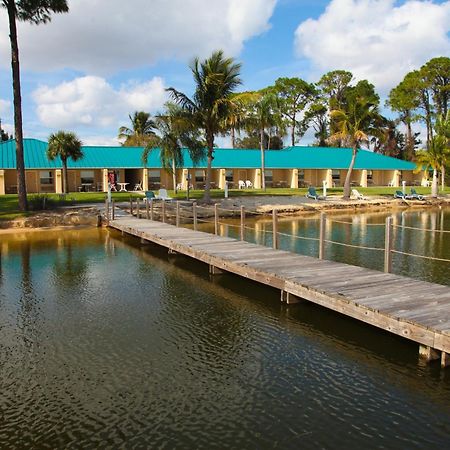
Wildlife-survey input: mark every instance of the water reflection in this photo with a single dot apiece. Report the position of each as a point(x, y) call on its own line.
point(135, 348)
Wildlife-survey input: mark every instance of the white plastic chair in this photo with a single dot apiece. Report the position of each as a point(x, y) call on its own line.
point(357, 195)
point(163, 195)
point(241, 184)
point(179, 187)
point(248, 184)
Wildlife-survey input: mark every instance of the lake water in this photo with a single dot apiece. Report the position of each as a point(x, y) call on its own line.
point(107, 343)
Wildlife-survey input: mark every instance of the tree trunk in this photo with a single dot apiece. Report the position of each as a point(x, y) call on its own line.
point(20, 162)
point(293, 132)
point(443, 177)
point(263, 160)
point(65, 176)
point(348, 178)
point(434, 184)
point(409, 141)
point(207, 193)
point(233, 137)
point(174, 175)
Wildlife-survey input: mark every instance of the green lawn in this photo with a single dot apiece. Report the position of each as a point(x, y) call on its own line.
point(9, 208)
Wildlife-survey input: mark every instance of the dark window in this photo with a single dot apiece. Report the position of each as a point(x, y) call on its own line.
point(87, 177)
point(229, 175)
point(46, 177)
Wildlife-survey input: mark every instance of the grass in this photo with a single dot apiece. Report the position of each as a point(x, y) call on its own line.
point(9, 207)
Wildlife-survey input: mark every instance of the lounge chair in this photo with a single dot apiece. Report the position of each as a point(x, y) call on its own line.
point(149, 195)
point(313, 194)
point(357, 195)
point(248, 184)
point(414, 195)
point(400, 194)
point(163, 195)
point(241, 184)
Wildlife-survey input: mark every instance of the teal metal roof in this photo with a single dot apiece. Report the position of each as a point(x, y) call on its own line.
point(130, 158)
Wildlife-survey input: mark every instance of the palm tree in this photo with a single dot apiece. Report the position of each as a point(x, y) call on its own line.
point(262, 117)
point(141, 132)
point(36, 11)
point(175, 132)
point(65, 145)
point(215, 79)
point(442, 128)
point(354, 125)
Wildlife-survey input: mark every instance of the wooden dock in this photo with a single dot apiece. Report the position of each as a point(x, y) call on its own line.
point(417, 310)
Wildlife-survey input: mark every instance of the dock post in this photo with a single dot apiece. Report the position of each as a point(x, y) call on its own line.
point(152, 217)
point(178, 214)
point(428, 353)
point(147, 209)
point(194, 214)
point(113, 213)
point(388, 245)
point(275, 229)
point(138, 209)
point(242, 223)
point(107, 211)
point(322, 236)
point(163, 211)
point(445, 359)
point(216, 219)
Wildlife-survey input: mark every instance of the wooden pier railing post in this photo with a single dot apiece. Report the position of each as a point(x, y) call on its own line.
point(388, 245)
point(138, 209)
point(178, 214)
point(216, 218)
point(322, 236)
point(194, 214)
point(147, 209)
point(107, 211)
point(242, 222)
point(163, 211)
point(152, 215)
point(275, 229)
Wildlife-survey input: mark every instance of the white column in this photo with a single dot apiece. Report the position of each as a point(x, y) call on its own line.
point(257, 179)
point(363, 180)
point(329, 178)
point(145, 179)
point(2, 182)
point(222, 173)
point(294, 178)
point(58, 181)
point(105, 180)
point(184, 180)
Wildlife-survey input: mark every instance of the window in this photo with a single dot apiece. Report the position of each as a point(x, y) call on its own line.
point(370, 174)
point(46, 176)
point(229, 175)
point(268, 175)
point(301, 175)
point(154, 176)
point(336, 175)
point(87, 177)
point(199, 176)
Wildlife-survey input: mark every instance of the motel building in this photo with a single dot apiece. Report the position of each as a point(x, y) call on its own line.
point(122, 167)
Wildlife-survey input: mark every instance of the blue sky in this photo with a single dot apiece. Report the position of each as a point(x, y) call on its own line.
point(87, 70)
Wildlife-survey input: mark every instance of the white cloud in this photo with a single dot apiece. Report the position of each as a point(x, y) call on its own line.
point(376, 39)
point(90, 102)
point(5, 107)
point(107, 35)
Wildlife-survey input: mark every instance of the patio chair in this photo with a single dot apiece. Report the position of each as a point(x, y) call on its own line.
point(414, 195)
point(241, 184)
point(163, 195)
point(401, 195)
point(138, 186)
point(248, 184)
point(149, 195)
point(357, 195)
point(313, 194)
point(179, 186)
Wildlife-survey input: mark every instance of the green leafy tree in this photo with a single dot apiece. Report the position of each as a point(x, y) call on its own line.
point(34, 11)
point(64, 145)
point(216, 79)
point(175, 132)
point(4, 136)
point(403, 99)
point(141, 132)
point(354, 125)
point(317, 117)
point(294, 95)
point(442, 128)
point(436, 73)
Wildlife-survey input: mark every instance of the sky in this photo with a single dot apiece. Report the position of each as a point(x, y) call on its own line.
point(87, 70)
